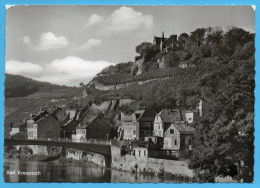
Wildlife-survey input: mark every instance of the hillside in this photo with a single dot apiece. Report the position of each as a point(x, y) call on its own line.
point(20, 86)
point(213, 65)
point(25, 96)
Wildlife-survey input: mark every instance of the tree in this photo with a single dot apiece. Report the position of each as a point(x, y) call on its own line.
point(237, 37)
point(81, 84)
point(225, 137)
point(145, 48)
point(197, 36)
point(215, 37)
point(182, 39)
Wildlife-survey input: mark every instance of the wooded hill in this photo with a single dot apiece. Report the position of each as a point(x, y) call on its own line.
point(20, 86)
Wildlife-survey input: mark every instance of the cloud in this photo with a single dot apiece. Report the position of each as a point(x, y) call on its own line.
point(68, 71)
point(23, 68)
point(26, 41)
point(94, 19)
point(89, 44)
point(127, 19)
point(122, 20)
point(47, 41)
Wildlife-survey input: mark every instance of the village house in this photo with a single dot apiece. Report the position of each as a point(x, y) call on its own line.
point(70, 122)
point(81, 131)
point(94, 128)
point(145, 124)
point(129, 127)
point(178, 139)
point(19, 130)
point(168, 116)
point(140, 150)
point(43, 126)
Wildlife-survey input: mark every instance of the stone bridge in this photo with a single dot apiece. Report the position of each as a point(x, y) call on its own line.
point(102, 148)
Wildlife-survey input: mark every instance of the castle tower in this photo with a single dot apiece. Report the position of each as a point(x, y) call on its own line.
point(162, 41)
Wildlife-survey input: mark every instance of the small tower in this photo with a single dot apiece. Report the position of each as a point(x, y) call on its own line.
point(162, 41)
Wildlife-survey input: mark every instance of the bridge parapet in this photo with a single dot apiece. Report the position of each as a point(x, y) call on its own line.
point(96, 146)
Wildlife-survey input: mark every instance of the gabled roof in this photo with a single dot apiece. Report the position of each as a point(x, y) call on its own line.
point(127, 118)
point(19, 124)
point(137, 114)
point(45, 117)
point(147, 115)
point(166, 126)
point(171, 115)
point(86, 122)
point(96, 122)
point(184, 128)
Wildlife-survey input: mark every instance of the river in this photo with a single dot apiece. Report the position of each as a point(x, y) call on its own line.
point(53, 172)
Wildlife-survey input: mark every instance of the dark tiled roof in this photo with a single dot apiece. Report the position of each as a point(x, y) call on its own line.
point(166, 126)
point(19, 124)
point(86, 122)
point(171, 115)
point(97, 122)
point(147, 115)
point(45, 117)
point(184, 128)
point(70, 126)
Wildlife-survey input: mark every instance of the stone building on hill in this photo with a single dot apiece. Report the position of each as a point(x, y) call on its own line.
point(162, 43)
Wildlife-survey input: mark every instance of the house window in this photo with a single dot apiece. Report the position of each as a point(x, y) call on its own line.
point(142, 132)
point(158, 126)
point(133, 132)
point(175, 142)
point(171, 131)
point(144, 152)
point(139, 153)
point(165, 143)
point(189, 119)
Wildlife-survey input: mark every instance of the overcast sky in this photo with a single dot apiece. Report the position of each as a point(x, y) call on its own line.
point(70, 44)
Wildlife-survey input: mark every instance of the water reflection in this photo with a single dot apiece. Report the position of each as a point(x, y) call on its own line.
point(53, 172)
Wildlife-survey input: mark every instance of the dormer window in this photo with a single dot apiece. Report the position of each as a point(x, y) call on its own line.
point(171, 131)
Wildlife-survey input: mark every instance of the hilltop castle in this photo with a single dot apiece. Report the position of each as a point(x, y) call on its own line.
point(164, 44)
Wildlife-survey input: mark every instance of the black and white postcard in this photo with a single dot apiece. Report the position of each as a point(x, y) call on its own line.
point(133, 94)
